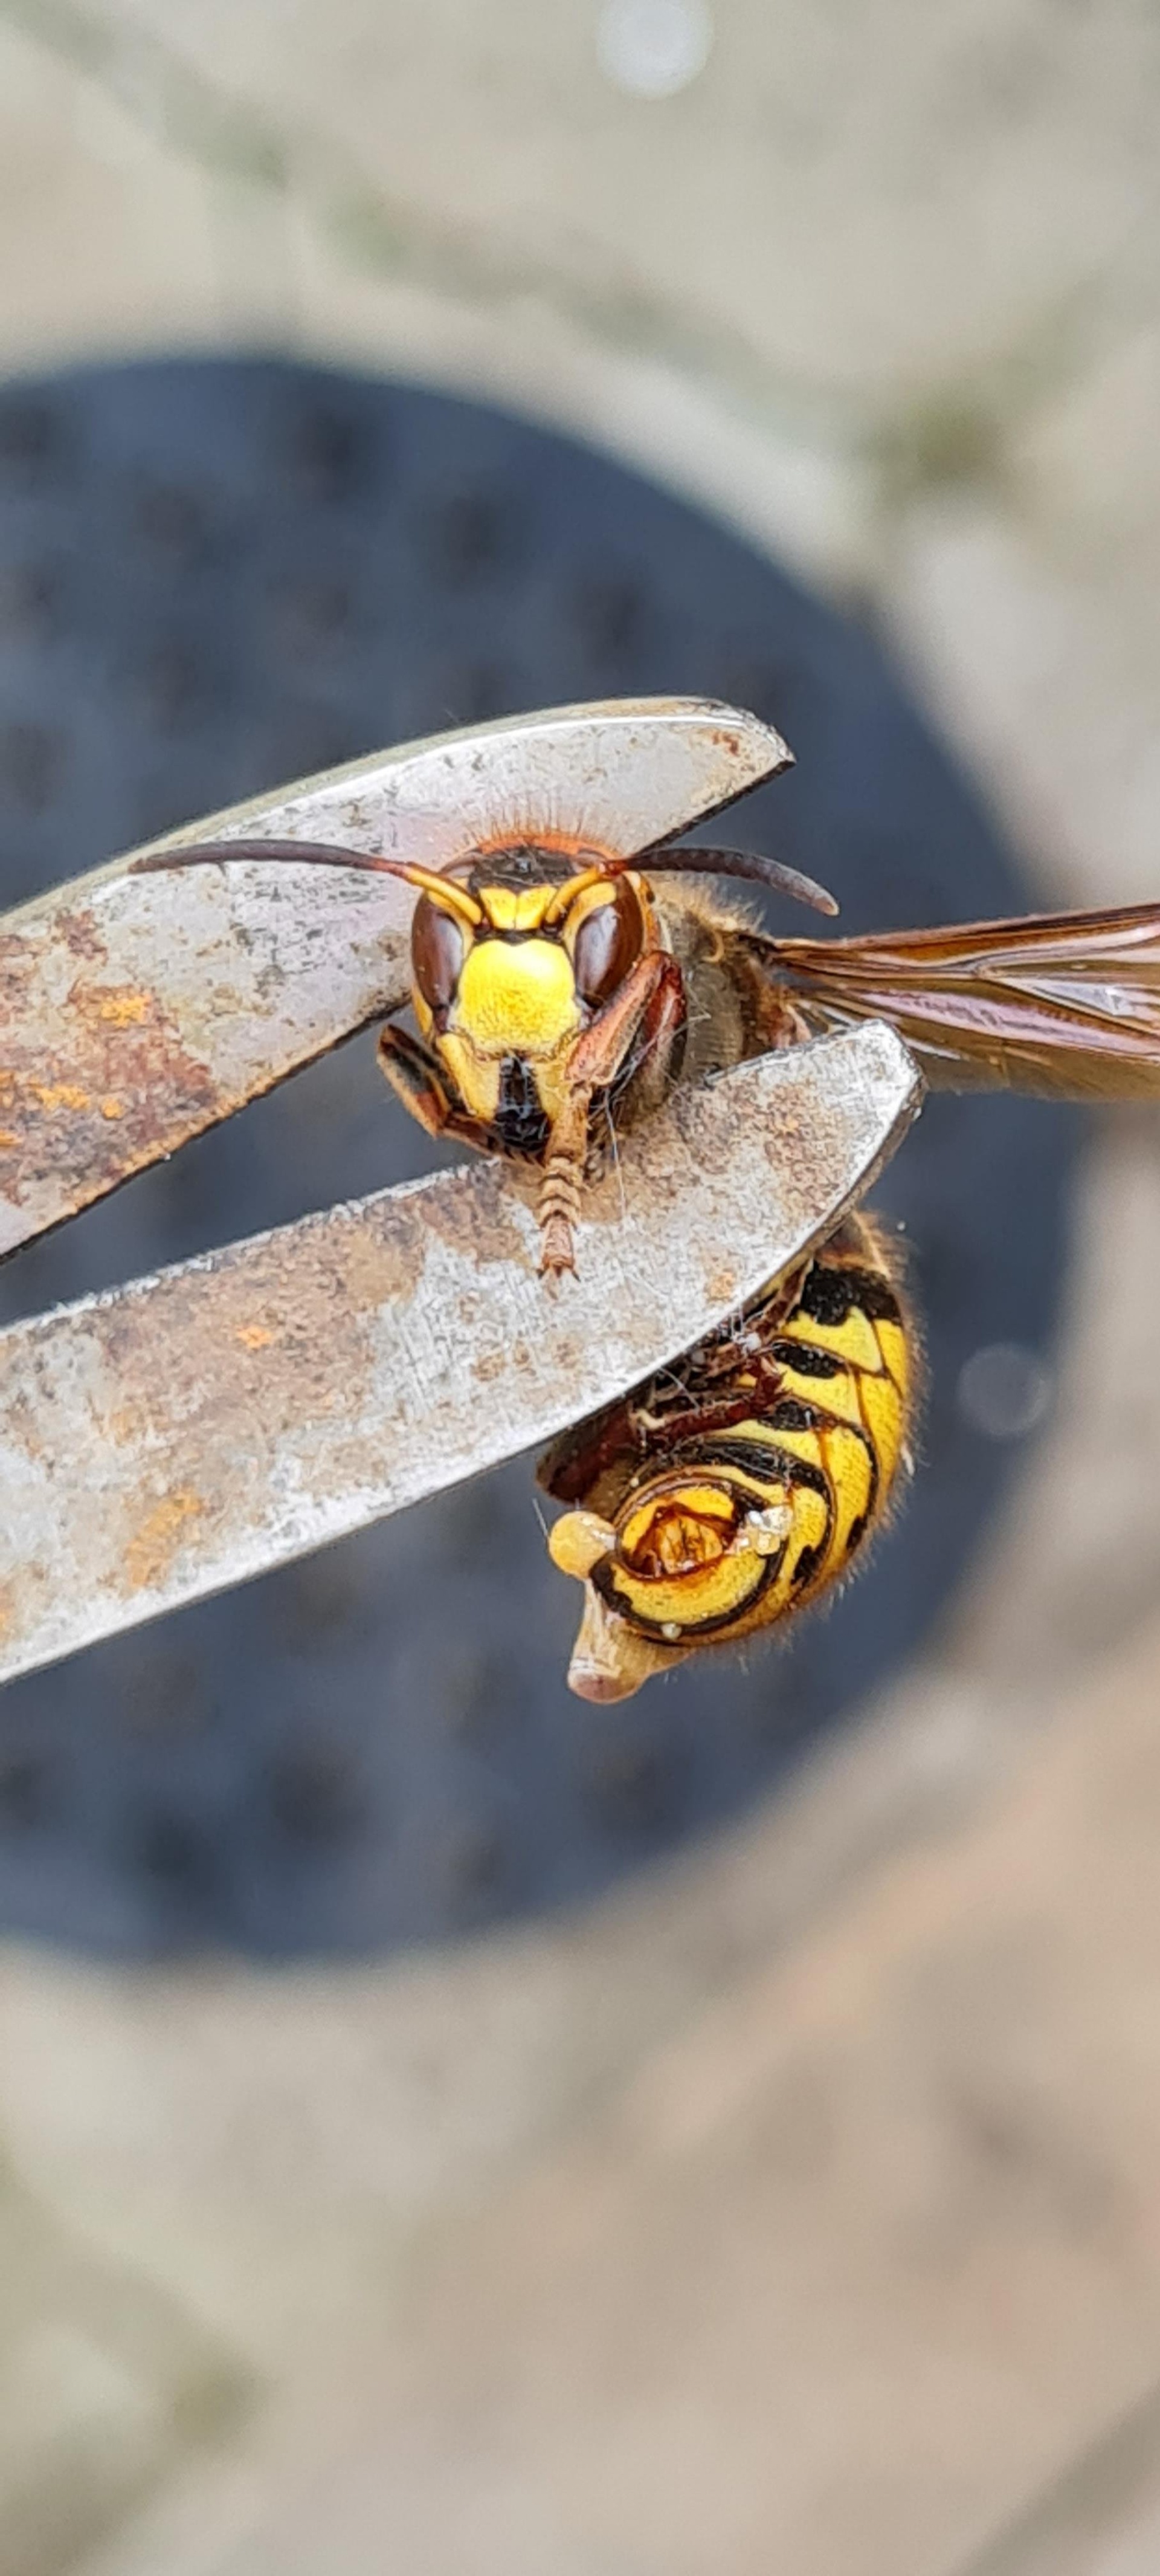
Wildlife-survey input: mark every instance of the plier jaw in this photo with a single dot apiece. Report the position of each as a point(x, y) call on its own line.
point(137, 1011)
point(181, 1433)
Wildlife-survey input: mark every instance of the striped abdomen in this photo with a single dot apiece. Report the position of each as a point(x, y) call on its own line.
point(728, 1493)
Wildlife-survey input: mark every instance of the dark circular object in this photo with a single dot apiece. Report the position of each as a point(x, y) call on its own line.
point(215, 575)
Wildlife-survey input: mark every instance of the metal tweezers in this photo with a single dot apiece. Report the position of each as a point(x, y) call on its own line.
point(181, 1433)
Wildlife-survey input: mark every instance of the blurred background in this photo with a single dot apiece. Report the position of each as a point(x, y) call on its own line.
point(438, 2130)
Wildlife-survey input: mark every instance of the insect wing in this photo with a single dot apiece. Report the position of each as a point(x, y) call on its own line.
point(1063, 1004)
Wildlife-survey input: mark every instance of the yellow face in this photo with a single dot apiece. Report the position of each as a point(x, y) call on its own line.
point(516, 996)
point(522, 982)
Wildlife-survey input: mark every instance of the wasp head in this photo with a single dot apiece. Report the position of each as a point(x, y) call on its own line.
point(510, 968)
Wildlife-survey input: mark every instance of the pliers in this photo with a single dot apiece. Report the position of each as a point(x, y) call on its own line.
point(176, 1435)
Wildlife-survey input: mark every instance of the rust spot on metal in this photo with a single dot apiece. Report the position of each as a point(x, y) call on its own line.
point(59, 1095)
point(25, 1422)
point(127, 1424)
point(14, 947)
point(794, 1145)
point(150, 1553)
point(95, 1085)
point(125, 1009)
point(81, 936)
point(479, 1223)
point(383, 1256)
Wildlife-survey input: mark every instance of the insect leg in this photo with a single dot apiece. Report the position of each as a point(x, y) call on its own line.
point(414, 1075)
point(559, 1201)
point(653, 990)
point(652, 996)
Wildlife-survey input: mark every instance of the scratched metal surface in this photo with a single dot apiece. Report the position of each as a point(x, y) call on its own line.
point(215, 575)
point(136, 1012)
point(189, 1430)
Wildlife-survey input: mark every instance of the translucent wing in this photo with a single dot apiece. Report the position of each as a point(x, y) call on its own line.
point(1065, 1004)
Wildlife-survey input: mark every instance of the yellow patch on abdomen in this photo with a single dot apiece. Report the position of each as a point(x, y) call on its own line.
point(750, 1515)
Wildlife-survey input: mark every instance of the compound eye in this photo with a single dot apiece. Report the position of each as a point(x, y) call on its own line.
point(608, 943)
point(436, 954)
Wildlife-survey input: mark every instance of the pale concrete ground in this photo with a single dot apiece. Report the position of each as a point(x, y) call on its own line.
point(800, 2209)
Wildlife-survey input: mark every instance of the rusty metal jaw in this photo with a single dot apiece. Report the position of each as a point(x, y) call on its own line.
point(181, 1433)
point(136, 1011)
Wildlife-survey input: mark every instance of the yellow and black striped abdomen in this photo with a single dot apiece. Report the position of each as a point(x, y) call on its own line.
point(730, 1493)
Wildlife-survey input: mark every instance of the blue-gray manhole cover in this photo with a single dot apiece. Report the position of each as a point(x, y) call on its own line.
point(215, 575)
